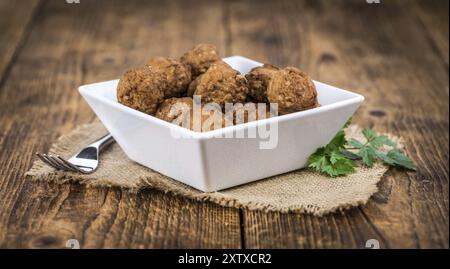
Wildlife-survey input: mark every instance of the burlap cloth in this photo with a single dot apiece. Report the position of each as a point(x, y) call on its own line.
point(302, 191)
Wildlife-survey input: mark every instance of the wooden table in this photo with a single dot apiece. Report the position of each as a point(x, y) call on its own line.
point(395, 53)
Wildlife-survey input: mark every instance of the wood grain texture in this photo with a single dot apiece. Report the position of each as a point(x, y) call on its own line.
point(47, 215)
point(379, 51)
point(15, 18)
point(39, 101)
point(433, 15)
point(394, 53)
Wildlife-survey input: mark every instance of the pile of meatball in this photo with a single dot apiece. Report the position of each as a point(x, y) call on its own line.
point(164, 83)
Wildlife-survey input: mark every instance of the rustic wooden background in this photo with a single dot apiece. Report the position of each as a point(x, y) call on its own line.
point(395, 53)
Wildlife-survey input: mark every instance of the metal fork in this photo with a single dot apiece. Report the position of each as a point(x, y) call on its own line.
point(85, 161)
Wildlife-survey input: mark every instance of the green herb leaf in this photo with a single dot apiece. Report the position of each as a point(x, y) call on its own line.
point(382, 140)
point(336, 160)
point(330, 160)
point(369, 134)
point(317, 159)
point(339, 141)
point(349, 121)
point(369, 151)
point(333, 164)
point(368, 155)
point(341, 167)
point(386, 160)
point(350, 155)
point(400, 159)
point(355, 143)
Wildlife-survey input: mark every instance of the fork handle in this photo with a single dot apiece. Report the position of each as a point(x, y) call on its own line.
point(102, 142)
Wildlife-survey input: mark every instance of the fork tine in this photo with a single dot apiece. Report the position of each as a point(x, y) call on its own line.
point(62, 164)
point(51, 159)
point(68, 164)
point(45, 160)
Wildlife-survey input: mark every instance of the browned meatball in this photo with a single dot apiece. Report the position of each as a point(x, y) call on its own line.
point(221, 84)
point(142, 89)
point(221, 64)
point(177, 111)
point(178, 75)
point(293, 90)
point(258, 80)
point(247, 113)
point(193, 85)
point(212, 119)
point(180, 111)
point(200, 58)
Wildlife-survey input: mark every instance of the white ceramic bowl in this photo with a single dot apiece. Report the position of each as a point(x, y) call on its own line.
point(209, 163)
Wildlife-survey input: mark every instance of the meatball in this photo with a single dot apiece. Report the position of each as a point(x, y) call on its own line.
point(180, 111)
point(212, 118)
point(177, 111)
point(200, 58)
point(247, 113)
point(221, 84)
point(178, 75)
point(258, 80)
point(221, 64)
point(142, 89)
point(193, 85)
point(293, 90)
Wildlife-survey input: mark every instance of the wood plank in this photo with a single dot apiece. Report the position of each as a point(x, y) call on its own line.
point(382, 49)
point(15, 22)
point(433, 16)
point(39, 102)
point(47, 215)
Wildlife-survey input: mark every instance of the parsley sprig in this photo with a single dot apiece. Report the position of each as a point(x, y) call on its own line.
point(341, 156)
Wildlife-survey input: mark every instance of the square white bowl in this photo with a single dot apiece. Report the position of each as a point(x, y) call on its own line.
point(210, 163)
